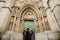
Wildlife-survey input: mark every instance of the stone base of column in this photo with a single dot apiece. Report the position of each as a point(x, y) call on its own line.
point(47, 35)
point(10, 35)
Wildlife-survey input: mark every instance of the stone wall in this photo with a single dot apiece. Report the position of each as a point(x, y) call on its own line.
point(52, 9)
point(52, 12)
point(47, 35)
point(5, 13)
point(10, 35)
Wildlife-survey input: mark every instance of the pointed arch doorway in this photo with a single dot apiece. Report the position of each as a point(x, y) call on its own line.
point(29, 22)
point(28, 19)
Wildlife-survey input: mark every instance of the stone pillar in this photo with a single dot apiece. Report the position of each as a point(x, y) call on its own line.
point(52, 22)
point(17, 19)
point(53, 17)
point(14, 24)
point(40, 21)
point(4, 16)
point(17, 25)
point(42, 14)
point(56, 12)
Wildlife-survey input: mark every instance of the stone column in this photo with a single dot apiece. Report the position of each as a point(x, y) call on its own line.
point(14, 24)
point(52, 22)
point(43, 13)
point(17, 19)
point(4, 16)
point(40, 21)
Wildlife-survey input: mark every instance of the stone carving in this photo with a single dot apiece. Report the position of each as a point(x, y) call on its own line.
point(34, 9)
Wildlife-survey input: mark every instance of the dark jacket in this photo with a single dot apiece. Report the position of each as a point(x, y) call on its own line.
point(28, 35)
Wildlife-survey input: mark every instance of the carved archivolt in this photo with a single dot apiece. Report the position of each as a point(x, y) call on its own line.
point(28, 13)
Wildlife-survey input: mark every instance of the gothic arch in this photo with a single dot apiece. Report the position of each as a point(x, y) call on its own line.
point(29, 7)
point(34, 12)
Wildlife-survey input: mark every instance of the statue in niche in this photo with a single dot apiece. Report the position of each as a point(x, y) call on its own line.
point(37, 29)
point(11, 22)
point(46, 23)
point(20, 26)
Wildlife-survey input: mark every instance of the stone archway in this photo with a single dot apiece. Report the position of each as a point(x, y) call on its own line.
point(29, 14)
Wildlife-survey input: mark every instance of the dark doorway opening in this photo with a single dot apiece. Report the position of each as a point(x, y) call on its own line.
point(30, 24)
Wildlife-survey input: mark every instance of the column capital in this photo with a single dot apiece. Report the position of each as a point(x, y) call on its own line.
point(15, 7)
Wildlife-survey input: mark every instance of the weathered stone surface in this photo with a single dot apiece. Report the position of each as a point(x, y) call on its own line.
point(52, 3)
point(47, 35)
point(52, 22)
point(4, 16)
point(56, 12)
point(10, 35)
point(9, 3)
point(41, 36)
point(45, 3)
point(20, 8)
point(1, 4)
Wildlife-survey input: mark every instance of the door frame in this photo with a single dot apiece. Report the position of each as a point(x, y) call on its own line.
point(29, 20)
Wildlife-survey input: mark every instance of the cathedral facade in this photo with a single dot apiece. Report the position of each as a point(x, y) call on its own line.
point(42, 16)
